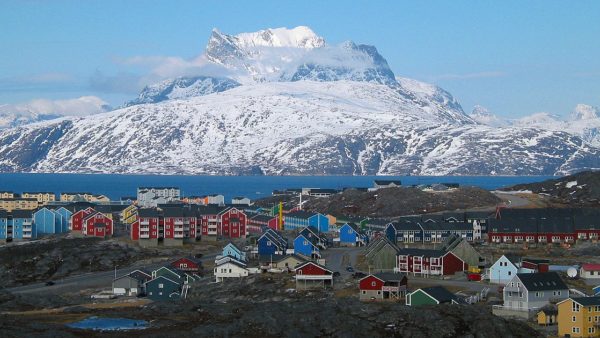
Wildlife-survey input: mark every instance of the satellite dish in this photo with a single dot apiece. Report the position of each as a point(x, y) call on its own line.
point(572, 272)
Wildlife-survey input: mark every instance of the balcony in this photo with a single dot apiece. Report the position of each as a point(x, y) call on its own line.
point(26, 235)
point(178, 222)
point(27, 223)
point(144, 223)
point(145, 235)
point(178, 234)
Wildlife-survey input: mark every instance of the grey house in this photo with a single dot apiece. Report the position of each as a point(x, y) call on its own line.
point(532, 291)
point(163, 288)
point(131, 284)
point(381, 255)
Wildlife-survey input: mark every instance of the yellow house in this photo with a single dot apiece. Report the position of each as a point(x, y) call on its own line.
point(10, 204)
point(85, 196)
point(579, 317)
point(547, 316)
point(7, 194)
point(42, 197)
point(129, 214)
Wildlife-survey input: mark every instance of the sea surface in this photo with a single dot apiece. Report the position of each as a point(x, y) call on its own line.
point(117, 186)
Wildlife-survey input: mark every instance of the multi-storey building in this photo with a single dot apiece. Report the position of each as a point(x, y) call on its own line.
point(153, 196)
point(17, 225)
point(43, 198)
point(10, 204)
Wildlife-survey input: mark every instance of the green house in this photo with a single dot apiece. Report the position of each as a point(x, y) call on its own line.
point(432, 296)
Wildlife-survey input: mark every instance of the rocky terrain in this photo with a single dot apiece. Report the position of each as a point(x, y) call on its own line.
point(581, 189)
point(264, 306)
point(394, 202)
point(55, 258)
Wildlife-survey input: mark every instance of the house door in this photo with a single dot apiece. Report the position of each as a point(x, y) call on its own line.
point(411, 239)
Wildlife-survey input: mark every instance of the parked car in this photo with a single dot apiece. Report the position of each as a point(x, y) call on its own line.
point(50, 283)
point(350, 269)
point(359, 275)
point(336, 274)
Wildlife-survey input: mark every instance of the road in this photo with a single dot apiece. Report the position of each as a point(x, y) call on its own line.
point(513, 200)
point(338, 259)
point(462, 284)
point(100, 279)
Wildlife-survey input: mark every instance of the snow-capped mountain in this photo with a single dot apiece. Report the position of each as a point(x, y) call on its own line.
point(292, 104)
point(183, 87)
point(482, 115)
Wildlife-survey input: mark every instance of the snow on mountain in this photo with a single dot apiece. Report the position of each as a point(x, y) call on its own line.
point(583, 122)
point(584, 112)
point(342, 127)
point(13, 115)
point(183, 87)
point(483, 116)
point(288, 103)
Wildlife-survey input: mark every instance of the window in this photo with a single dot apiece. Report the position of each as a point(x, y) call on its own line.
point(575, 330)
point(305, 242)
point(591, 330)
point(161, 286)
point(574, 319)
point(575, 307)
point(373, 283)
point(510, 273)
point(364, 292)
point(539, 294)
point(589, 319)
point(512, 284)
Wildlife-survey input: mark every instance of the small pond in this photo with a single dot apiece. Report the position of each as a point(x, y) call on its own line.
point(109, 324)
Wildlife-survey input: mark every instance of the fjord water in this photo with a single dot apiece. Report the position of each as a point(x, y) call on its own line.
point(116, 186)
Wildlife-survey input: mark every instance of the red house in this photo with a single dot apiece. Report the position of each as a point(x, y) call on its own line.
point(180, 223)
point(383, 285)
point(312, 275)
point(535, 264)
point(187, 264)
point(258, 222)
point(208, 220)
point(78, 217)
point(146, 227)
point(232, 223)
point(429, 262)
point(97, 224)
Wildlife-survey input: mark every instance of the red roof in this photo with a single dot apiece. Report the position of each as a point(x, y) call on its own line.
point(591, 267)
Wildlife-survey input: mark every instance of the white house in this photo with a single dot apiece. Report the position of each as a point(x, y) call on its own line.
point(230, 269)
point(590, 271)
point(240, 200)
point(504, 269)
point(153, 196)
point(532, 291)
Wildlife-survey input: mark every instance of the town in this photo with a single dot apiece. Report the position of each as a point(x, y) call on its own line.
point(497, 257)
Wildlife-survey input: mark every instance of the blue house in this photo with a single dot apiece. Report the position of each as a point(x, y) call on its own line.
point(163, 288)
point(49, 221)
point(296, 220)
point(17, 225)
point(319, 222)
point(350, 234)
point(271, 243)
point(233, 251)
point(404, 232)
point(306, 246)
point(320, 239)
point(66, 218)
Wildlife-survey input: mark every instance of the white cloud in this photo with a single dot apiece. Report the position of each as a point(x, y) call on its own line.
point(85, 105)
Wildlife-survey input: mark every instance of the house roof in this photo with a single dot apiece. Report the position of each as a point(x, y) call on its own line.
point(536, 260)
point(406, 225)
point(587, 301)
point(234, 262)
point(191, 259)
point(299, 214)
point(148, 212)
point(421, 252)
point(262, 218)
point(388, 182)
point(299, 266)
point(542, 281)
point(17, 213)
point(389, 276)
point(378, 244)
point(440, 293)
point(590, 267)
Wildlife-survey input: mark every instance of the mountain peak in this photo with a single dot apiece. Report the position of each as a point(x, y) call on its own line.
point(584, 112)
point(298, 37)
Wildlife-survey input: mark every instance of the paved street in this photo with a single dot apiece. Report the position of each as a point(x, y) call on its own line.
point(338, 259)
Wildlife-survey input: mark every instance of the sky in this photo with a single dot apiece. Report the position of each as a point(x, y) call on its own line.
point(513, 57)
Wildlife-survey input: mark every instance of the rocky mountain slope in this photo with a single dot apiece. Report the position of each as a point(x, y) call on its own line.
point(395, 202)
point(580, 189)
point(292, 104)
